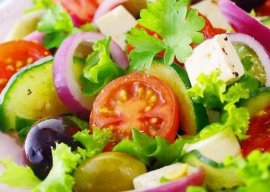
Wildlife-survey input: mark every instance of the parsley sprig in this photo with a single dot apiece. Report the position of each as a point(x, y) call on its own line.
point(176, 24)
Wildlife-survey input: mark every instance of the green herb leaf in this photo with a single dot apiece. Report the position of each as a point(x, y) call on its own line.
point(209, 90)
point(146, 47)
point(212, 92)
point(156, 152)
point(100, 69)
point(18, 176)
point(64, 163)
point(41, 4)
point(254, 170)
point(177, 26)
point(93, 144)
point(57, 25)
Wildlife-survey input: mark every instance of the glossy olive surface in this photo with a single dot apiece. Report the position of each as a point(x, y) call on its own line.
point(42, 137)
point(108, 172)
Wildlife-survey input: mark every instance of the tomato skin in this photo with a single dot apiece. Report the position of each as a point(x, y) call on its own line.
point(136, 101)
point(80, 10)
point(260, 142)
point(259, 133)
point(16, 54)
point(209, 30)
point(264, 9)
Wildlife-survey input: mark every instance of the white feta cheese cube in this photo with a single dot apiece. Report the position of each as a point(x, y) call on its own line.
point(215, 54)
point(217, 147)
point(116, 23)
point(210, 9)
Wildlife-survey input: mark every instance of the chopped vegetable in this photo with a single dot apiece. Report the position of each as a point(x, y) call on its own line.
point(177, 26)
point(155, 152)
point(100, 69)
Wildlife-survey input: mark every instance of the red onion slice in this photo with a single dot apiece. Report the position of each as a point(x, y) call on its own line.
point(105, 6)
point(35, 36)
point(68, 89)
point(242, 22)
point(181, 185)
point(253, 44)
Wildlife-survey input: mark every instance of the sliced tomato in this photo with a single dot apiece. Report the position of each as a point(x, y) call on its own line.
point(16, 54)
point(81, 10)
point(136, 101)
point(259, 133)
point(209, 30)
point(264, 9)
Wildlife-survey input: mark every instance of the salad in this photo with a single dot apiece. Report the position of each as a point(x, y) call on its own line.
point(136, 95)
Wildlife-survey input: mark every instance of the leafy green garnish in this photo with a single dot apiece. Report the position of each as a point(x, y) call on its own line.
point(41, 4)
point(57, 25)
point(60, 178)
point(65, 162)
point(16, 175)
point(254, 170)
point(213, 93)
point(93, 144)
point(176, 24)
point(99, 69)
point(156, 152)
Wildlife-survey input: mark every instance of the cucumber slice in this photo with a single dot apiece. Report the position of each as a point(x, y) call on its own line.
point(258, 101)
point(193, 116)
point(217, 176)
point(30, 95)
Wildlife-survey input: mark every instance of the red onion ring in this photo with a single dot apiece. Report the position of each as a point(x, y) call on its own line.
point(242, 22)
point(253, 44)
point(69, 91)
point(181, 185)
point(105, 6)
point(35, 36)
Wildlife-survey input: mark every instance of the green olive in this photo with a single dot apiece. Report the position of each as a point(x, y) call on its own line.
point(110, 171)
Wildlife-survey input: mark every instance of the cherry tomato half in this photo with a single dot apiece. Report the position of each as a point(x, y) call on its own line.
point(136, 101)
point(264, 9)
point(259, 133)
point(16, 54)
point(81, 10)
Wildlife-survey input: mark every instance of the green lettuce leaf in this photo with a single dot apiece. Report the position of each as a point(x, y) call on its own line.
point(17, 175)
point(154, 152)
point(93, 144)
point(57, 25)
point(64, 163)
point(100, 69)
point(255, 171)
point(41, 4)
point(177, 26)
point(213, 93)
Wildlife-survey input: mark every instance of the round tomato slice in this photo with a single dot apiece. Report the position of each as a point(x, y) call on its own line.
point(136, 101)
point(81, 10)
point(16, 54)
point(259, 133)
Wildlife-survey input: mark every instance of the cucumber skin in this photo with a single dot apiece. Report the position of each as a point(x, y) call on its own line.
point(257, 101)
point(10, 84)
point(218, 176)
point(199, 110)
point(8, 112)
